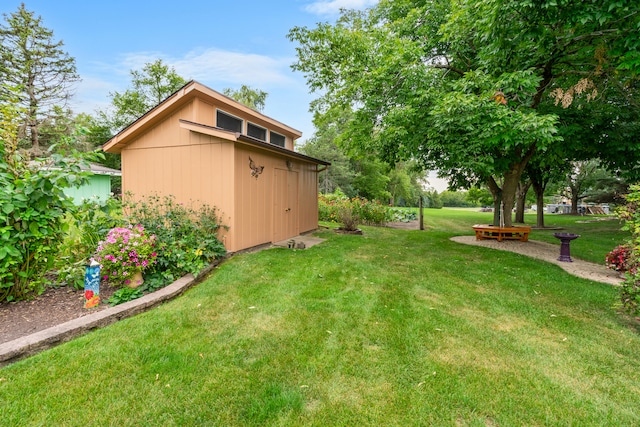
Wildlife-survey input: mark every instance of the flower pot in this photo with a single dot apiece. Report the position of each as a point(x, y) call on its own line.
point(136, 280)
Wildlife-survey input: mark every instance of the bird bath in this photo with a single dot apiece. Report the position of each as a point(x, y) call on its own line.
point(565, 239)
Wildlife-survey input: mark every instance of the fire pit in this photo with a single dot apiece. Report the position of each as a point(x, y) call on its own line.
point(565, 239)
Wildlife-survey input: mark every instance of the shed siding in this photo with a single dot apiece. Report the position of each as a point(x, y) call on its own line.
point(199, 172)
point(253, 198)
point(205, 113)
point(259, 217)
point(308, 197)
point(98, 187)
point(166, 133)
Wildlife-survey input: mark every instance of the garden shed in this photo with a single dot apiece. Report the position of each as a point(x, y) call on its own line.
point(98, 185)
point(200, 146)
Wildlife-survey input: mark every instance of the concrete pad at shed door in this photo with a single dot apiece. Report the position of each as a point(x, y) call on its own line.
point(308, 242)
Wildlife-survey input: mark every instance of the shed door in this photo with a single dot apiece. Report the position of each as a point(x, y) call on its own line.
point(285, 213)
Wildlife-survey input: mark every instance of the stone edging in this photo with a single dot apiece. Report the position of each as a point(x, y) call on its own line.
point(19, 348)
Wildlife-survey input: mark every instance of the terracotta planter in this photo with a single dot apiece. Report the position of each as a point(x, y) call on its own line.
point(136, 280)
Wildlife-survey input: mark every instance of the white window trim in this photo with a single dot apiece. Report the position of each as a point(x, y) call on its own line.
point(267, 134)
point(242, 121)
point(279, 134)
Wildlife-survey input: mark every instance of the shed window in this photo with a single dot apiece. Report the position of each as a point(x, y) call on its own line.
point(276, 139)
point(228, 122)
point(256, 132)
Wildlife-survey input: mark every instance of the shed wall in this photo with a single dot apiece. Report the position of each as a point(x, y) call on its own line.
point(200, 171)
point(279, 204)
point(98, 187)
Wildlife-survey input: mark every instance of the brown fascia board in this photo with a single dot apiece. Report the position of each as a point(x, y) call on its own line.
point(192, 88)
point(209, 130)
point(117, 142)
point(215, 131)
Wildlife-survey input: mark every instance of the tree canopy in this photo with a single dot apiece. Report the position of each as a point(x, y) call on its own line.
point(40, 72)
point(460, 86)
point(252, 98)
point(149, 86)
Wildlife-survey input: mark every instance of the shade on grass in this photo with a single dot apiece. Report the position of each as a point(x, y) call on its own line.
point(390, 328)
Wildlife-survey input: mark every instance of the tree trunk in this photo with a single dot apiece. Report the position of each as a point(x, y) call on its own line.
point(575, 194)
point(507, 194)
point(538, 189)
point(521, 196)
point(496, 192)
point(32, 119)
point(509, 188)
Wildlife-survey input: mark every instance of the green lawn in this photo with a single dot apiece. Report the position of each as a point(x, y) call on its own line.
point(395, 327)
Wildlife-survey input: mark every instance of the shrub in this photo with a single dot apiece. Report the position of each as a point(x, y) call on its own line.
point(369, 212)
point(621, 259)
point(88, 224)
point(32, 219)
point(337, 207)
point(124, 295)
point(630, 288)
point(187, 237)
point(348, 217)
point(630, 294)
point(401, 215)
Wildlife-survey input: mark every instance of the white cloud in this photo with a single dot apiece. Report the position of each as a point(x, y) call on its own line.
point(91, 94)
point(333, 6)
point(233, 67)
point(213, 65)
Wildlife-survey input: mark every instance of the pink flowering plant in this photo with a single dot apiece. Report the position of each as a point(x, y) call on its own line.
point(124, 252)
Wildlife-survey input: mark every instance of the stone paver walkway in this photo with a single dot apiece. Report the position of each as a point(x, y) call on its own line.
point(548, 252)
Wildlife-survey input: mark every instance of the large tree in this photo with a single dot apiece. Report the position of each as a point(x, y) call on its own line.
point(459, 85)
point(149, 87)
point(252, 98)
point(35, 64)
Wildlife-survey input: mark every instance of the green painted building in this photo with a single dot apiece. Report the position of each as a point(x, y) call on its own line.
point(99, 185)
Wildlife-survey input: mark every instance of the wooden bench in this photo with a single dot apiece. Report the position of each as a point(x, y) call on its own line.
point(510, 233)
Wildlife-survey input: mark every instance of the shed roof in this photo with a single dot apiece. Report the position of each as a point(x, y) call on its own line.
point(234, 136)
point(183, 95)
point(94, 168)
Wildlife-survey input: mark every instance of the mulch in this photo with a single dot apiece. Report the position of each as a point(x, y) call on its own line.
point(53, 307)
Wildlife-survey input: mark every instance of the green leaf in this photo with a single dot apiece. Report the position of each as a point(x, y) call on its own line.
point(7, 208)
point(34, 228)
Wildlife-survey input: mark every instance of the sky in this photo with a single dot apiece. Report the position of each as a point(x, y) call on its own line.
point(220, 44)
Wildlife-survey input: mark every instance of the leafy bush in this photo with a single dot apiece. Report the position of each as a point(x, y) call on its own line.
point(348, 217)
point(71, 274)
point(630, 288)
point(621, 258)
point(337, 207)
point(32, 218)
point(88, 224)
point(369, 212)
point(187, 237)
point(401, 215)
point(123, 295)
